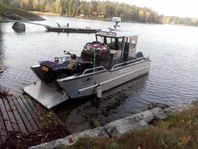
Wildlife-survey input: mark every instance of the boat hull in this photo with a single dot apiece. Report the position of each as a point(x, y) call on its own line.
point(75, 87)
point(87, 84)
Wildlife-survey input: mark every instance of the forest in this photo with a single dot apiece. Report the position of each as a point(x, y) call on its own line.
point(99, 10)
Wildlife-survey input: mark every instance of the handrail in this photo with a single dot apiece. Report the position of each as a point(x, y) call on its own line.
point(127, 62)
point(96, 69)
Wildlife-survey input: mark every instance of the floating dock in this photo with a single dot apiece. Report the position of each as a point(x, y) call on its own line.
point(71, 30)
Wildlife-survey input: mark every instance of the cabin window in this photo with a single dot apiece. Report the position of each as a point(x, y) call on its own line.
point(100, 39)
point(111, 42)
point(120, 43)
point(133, 44)
point(114, 43)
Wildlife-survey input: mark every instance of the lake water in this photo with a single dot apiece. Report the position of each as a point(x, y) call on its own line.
point(173, 78)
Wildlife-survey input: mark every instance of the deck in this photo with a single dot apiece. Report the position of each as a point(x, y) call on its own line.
point(23, 115)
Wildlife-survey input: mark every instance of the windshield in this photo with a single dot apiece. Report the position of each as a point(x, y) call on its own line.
point(113, 42)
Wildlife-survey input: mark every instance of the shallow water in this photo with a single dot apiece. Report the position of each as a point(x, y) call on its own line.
point(173, 78)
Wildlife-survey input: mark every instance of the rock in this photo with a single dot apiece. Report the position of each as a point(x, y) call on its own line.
point(119, 127)
point(94, 123)
point(1, 71)
point(145, 115)
point(159, 105)
point(19, 27)
point(71, 139)
point(114, 129)
point(158, 113)
point(195, 102)
point(131, 123)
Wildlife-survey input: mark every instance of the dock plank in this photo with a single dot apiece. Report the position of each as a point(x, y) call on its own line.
point(18, 117)
point(3, 131)
point(22, 115)
point(5, 116)
point(32, 112)
point(41, 111)
point(27, 115)
point(45, 114)
point(11, 116)
point(42, 116)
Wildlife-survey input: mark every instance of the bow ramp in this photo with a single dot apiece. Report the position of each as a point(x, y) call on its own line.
point(48, 95)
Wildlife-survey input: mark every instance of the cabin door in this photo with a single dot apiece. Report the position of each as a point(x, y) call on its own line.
point(126, 49)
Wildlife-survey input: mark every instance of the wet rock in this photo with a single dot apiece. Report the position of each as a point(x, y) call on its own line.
point(19, 27)
point(1, 71)
point(159, 105)
point(195, 102)
point(158, 113)
point(122, 126)
point(145, 115)
point(94, 123)
point(170, 110)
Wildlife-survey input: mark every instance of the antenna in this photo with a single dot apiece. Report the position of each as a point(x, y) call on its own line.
point(117, 20)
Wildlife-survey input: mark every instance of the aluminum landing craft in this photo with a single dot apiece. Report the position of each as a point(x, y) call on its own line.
point(109, 61)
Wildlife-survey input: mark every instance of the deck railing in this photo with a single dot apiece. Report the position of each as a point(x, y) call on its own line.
point(126, 63)
point(96, 69)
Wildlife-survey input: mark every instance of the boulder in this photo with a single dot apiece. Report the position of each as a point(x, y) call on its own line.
point(157, 104)
point(158, 113)
point(71, 139)
point(118, 128)
point(1, 70)
point(19, 27)
point(131, 123)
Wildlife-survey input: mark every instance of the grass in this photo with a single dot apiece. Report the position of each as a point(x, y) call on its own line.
point(179, 131)
point(12, 12)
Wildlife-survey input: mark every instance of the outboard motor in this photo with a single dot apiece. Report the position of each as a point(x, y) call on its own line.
point(139, 55)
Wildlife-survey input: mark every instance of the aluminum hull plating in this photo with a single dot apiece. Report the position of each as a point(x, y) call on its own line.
point(78, 86)
point(85, 85)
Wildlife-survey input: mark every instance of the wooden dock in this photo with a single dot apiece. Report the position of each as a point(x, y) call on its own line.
point(23, 115)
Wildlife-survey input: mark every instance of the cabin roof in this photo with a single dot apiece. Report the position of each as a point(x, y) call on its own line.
point(116, 34)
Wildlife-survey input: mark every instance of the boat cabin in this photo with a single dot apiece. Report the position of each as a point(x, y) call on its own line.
point(122, 44)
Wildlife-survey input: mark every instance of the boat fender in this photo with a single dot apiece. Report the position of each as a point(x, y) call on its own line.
point(99, 91)
point(139, 55)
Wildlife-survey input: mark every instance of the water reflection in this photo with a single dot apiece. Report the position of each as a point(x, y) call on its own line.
point(93, 112)
point(2, 55)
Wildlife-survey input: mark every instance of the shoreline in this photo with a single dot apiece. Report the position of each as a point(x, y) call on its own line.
point(79, 17)
point(158, 128)
point(40, 13)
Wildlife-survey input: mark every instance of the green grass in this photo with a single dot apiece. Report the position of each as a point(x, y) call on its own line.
point(4, 9)
point(176, 132)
